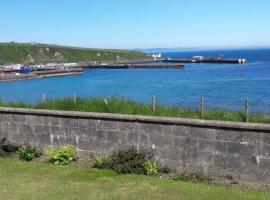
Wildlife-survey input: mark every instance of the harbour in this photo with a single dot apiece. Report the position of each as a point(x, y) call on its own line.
point(222, 85)
point(12, 72)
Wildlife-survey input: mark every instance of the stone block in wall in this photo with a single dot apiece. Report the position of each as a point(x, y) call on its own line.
point(69, 122)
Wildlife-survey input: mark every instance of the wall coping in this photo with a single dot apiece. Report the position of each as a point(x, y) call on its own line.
point(258, 127)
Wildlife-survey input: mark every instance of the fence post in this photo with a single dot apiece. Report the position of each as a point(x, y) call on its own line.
point(106, 104)
point(202, 106)
point(44, 97)
point(154, 103)
point(247, 110)
point(74, 97)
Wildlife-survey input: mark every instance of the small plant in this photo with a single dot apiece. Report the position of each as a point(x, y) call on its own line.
point(151, 167)
point(199, 176)
point(100, 162)
point(182, 177)
point(63, 155)
point(28, 153)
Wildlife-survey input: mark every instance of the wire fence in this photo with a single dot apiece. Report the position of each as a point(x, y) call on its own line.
point(204, 103)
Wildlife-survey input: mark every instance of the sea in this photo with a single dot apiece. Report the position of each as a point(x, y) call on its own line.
point(223, 86)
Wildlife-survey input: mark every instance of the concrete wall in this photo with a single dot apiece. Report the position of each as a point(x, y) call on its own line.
point(221, 149)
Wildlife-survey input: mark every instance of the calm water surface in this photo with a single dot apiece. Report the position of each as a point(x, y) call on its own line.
point(222, 85)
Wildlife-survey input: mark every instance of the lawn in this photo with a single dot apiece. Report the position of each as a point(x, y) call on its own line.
point(36, 180)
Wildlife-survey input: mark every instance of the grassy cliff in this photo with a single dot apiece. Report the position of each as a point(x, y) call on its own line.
point(41, 53)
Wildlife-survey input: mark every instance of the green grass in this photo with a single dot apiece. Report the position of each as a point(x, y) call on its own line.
point(122, 106)
point(36, 180)
point(41, 53)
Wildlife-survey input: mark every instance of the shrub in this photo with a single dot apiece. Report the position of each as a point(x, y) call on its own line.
point(129, 161)
point(151, 167)
point(100, 162)
point(6, 148)
point(28, 153)
point(63, 155)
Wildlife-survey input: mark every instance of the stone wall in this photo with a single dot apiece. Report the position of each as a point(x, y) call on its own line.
point(220, 149)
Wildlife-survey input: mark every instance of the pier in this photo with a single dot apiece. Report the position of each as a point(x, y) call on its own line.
point(40, 74)
point(59, 72)
point(205, 60)
point(137, 66)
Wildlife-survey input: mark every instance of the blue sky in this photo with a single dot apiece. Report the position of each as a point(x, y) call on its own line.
point(137, 23)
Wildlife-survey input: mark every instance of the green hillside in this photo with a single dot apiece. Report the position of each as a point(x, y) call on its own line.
point(41, 53)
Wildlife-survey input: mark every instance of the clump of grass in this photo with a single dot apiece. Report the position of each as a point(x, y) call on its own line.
point(199, 176)
point(125, 106)
point(100, 162)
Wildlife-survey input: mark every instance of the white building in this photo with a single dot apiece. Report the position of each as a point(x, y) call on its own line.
point(198, 58)
point(157, 56)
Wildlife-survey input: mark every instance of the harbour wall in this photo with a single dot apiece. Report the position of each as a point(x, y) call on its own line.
point(237, 151)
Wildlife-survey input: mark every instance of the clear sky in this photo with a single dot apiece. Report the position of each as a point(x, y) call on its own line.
point(137, 23)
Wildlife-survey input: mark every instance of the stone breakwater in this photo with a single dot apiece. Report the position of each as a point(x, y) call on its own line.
point(240, 151)
point(40, 74)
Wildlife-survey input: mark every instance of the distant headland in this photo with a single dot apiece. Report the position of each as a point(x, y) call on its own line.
point(36, 53)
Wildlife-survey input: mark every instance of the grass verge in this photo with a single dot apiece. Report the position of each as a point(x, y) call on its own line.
point(36, 180)
point(122, 106)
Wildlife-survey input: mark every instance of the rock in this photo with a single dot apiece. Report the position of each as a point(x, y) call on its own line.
point(30, 58)
point(57, 54)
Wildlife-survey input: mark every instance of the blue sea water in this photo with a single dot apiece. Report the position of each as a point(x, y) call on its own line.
point(222, 85)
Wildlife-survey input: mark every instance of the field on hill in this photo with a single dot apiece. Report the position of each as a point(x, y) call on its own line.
point(41, 53)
